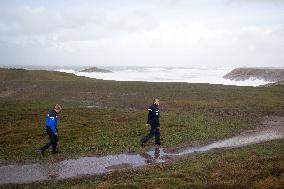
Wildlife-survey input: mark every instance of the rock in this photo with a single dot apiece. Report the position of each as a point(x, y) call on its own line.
point(278, 83)
point(95, 69)
point(267, 74)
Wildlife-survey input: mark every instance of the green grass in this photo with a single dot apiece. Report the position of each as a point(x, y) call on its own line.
point(116, 122)
point(190, 113)
point(256, 166)
point(104, 131)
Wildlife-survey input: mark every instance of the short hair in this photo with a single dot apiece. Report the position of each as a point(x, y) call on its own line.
point(57, 107)
point(155, 99)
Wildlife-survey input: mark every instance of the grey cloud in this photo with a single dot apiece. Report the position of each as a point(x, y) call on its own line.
point(275, 2)
point(156, 31)
point(42, 21)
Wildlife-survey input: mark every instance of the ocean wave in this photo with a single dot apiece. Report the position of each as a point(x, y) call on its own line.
point(160, 74)
point(66, 70)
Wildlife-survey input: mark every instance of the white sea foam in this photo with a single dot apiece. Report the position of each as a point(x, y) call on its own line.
point(66, 70)
point(161, 74)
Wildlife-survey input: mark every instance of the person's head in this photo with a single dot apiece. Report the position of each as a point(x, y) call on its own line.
point(156, 101)
point(57, 108)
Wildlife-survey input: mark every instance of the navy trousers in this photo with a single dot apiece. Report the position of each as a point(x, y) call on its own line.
point(52, 140)
point(154, 131)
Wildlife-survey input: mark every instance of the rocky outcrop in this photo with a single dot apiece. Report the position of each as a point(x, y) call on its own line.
point(95, 69)
point(278, 83)
point(266, 74)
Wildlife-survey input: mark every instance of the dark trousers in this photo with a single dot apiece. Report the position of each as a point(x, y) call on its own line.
point(52, 141)
point(155, 131)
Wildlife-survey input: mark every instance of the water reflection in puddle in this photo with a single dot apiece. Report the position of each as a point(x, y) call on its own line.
point(98, 165)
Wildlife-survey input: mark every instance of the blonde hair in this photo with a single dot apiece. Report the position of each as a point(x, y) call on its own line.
point(57, 108)
point(156, 99)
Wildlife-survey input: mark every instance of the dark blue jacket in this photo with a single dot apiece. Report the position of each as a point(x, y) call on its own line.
point(51, 121)
point(153, 115)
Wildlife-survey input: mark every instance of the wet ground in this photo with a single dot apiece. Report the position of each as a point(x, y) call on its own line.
point(270, 129)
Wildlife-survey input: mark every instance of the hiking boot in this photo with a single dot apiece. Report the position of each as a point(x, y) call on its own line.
point(41, 151)
point(142, 143)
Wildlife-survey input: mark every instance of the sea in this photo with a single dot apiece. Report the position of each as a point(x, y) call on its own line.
point(210, 75)
point(165, 74)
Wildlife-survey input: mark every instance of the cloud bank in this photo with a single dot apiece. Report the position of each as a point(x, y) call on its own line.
point(225, 33)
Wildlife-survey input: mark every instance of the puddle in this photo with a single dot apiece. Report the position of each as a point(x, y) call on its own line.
point(238, 141)
point(121, 166)
point(98, 165)
point(67, 168)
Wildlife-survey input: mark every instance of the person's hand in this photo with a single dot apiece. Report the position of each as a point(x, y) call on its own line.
point(147, 125)
point(55, 134)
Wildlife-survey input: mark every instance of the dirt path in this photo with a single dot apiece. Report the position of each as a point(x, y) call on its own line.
point(271, 128)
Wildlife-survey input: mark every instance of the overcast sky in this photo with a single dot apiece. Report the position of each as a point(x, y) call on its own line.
point(185, 33)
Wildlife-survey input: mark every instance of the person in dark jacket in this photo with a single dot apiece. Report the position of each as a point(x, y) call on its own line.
point(51, 122)
point(154, 122)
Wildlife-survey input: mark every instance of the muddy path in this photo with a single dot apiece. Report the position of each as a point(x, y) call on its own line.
point(269, 129)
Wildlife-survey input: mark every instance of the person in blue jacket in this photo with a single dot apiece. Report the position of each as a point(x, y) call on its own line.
point(51, 121)
point(154, 122)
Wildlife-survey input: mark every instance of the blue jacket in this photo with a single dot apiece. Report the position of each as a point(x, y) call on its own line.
point(51, 121)
point(153, 115)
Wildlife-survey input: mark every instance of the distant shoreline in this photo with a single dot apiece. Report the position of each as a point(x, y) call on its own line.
point(96, 69)
point(167, 74)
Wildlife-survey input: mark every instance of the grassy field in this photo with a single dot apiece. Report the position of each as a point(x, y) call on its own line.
point(107, 117)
